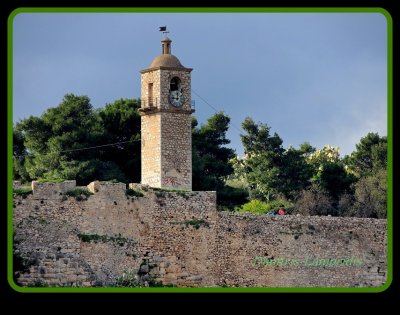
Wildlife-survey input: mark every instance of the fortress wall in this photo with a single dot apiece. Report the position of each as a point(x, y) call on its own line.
point(286, 251)
point(179, 238)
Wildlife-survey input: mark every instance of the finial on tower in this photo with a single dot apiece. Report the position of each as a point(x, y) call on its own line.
point(164, 30)
point(166, 42)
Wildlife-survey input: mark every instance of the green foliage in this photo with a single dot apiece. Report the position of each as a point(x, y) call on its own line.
point(114, 181)
point(23, 191)
point(47, 146)
point(229, 196)
point(314, 200)
point(371, 195)
point(258, 140)
point(38, 284)
point(255, 206)
point(159, 284)
point(263, 158)
point(295, 172)
point(121, 122)
point(210, 156)
point(48, 180)
point(134, 193)
point(370, 155)
point(129, 279)
point(196, 223)
point(260, 207)
point(78, 193)
point(159, 194)
point(334, 179)
point(170, 190)
point(19, 154)
point(88, 238)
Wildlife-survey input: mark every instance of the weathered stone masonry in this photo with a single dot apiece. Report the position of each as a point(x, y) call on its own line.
point(179, 238)
point(166, 129)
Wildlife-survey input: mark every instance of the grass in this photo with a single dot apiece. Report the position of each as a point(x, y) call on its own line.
point(160, 192)
point(45, 180)
point(23, 191)
point(196, 223)
point(170, 190)
point(133, 193)
point(159, 284)
point(114, 181)
point(78, 193)
point(87, 238)
point(38, 284)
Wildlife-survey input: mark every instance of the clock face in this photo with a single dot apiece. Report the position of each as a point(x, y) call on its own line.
point(176, 98)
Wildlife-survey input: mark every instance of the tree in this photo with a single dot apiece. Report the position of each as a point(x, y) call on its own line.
point(258, 139)
point(67, 126)
point(210, 156)
point(370, 155)
point(371, 195)
point(329, 172)
point(335, 180)
point(263, 158)
point(270, 169)
point(60, 142)
point(295, 172)
point(314, 201)
point(54, 142)
point(121, 122)
point(19, 154)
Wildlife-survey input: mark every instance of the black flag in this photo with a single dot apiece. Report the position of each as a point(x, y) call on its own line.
point(163, 28)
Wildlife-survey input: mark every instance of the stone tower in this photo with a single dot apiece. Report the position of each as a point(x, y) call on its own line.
point(166, 122)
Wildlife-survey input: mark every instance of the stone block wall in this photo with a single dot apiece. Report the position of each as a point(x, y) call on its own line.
point(165, 79)
point(299, 251)
point(151, 149)
point(146, 78)
point(166, 131)
point(52, 190)
point(176, 148)
point(179, 238)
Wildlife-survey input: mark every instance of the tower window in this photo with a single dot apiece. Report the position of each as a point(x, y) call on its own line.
point(150, 94)
point(175, 84)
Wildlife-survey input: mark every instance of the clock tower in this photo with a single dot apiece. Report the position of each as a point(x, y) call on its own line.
point(166, 122)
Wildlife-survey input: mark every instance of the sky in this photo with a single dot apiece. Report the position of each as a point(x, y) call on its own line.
point(315, 77)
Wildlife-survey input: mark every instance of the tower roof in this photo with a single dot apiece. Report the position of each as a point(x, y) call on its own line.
point(166, 59)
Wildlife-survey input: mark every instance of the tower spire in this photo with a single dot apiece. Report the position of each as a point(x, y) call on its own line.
point(166, 46)
point(166, 42)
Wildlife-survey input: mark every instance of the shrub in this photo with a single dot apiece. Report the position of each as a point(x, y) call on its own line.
point(23, 191)
point(50, 180)
point(133, 193)
point(78, 193)
point(196, 223)
point(228, 197)
point(254, 206)
point(114, 181)
point(159, 284)
point(128, 279)
point(314, 201)
point(38, 284)
point(345, 206)
point(87, 238)
point(371, 196)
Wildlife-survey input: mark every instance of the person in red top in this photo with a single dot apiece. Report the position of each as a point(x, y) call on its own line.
point(281, 211)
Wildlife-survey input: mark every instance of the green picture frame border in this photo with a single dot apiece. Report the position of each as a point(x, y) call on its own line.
point(21, 10)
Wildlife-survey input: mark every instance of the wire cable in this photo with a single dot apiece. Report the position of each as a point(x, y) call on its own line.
point(216, 110)
point(99, 146)
point(123, 142)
